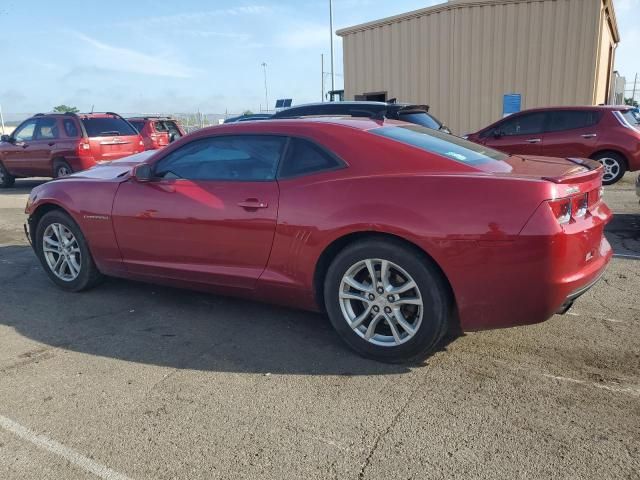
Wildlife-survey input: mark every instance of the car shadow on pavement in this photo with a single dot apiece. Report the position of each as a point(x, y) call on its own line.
point(623, 233)
point(175, 328)
point(23, 186)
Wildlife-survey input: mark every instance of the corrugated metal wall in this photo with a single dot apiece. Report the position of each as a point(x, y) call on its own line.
point(461, 58)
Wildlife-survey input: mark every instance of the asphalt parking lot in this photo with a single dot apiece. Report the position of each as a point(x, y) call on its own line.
point(134, 381)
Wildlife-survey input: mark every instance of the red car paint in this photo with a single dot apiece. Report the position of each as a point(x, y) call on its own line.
point(607, 134)
point(157, 132)
point(489, 228)
point(66, 141)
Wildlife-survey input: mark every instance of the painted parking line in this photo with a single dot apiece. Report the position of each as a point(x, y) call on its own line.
point(57, 448)
point(635, 391)
point(606, 319)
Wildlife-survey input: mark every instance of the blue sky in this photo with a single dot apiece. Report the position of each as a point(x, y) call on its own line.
point(151, 56)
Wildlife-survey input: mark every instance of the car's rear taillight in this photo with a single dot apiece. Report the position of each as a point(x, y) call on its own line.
point(561, 210)
point(84, 149)
point(580, 205)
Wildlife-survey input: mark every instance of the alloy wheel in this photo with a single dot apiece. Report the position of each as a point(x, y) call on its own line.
point(63, 171)
point(611, 168)
point(381, 302)
point(62, 252)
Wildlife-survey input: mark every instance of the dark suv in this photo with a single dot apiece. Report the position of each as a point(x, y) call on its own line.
point(157, 132)
point(57, 144)
point(418, 114)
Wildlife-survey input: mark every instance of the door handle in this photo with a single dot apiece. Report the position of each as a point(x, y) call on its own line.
point(534, 140)
point(589, 135)
point(252, 204)
point(51, 144)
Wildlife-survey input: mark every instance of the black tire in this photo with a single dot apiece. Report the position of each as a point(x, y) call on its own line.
point(61, 169)
point(89, 276)
point(436, 309)
point(615, 164)
point(6, 180)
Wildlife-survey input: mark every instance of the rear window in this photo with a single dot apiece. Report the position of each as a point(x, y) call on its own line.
point(107, 126)
point(137, 124)
point(440, 143)
point(420, 118)
point(631, 117)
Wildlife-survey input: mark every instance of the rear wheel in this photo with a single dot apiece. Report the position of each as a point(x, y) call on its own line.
point(614, 164)
point(64, 253)
point(6, 180)
point(61, 169)
point(387, 301)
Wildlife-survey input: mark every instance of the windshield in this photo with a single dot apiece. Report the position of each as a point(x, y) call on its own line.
point(107, 126)
point(420, 118)
point(440, 143)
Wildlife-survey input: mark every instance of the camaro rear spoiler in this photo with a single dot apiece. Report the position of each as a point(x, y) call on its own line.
point(594, 170)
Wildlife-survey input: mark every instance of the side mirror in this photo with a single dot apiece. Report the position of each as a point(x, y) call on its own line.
point(142, 173)
point(5, 138)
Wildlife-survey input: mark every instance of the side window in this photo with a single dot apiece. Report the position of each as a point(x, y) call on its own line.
point(137, 124)
point(527, 124)
point(249, 158)
point(70, 128)
point(46, 129)
point(570, 119)
point(304, 157)
point(24, 132)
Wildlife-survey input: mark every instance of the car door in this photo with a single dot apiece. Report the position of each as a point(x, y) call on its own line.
point(17, 155)
point(209, 214)
point(44, 141)
point(571, 133)
point(520, 134)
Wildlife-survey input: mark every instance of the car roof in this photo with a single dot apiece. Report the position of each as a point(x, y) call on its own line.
point(606, 108)
point(349, 107)
point(150, 117)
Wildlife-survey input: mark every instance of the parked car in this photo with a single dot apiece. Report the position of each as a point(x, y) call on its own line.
point(157, 132)
point(603, 133)
point(248, 117)
point(399, 232)
point(418, 114)
point(58, 144)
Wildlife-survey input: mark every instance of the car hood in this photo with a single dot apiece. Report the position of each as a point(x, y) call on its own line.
point(540, 167)
point(115, 169)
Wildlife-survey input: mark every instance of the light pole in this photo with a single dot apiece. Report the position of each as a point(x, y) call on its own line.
point(266, 95)
point(333, 86)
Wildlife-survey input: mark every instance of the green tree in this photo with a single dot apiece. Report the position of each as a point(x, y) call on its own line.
point(247, 112)
point(631, 101)
point(65, 109)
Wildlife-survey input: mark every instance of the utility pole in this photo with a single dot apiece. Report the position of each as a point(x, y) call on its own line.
point(635, 83)
point(333, 79)
point(322, 75)
point(1, 120)
point(266, 95)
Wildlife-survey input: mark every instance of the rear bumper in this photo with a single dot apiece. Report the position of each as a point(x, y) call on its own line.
point(568, 303)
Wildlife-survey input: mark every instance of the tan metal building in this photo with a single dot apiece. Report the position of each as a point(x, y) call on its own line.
point(463, 56)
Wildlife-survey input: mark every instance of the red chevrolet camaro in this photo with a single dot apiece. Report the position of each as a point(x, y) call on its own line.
point(398, 232)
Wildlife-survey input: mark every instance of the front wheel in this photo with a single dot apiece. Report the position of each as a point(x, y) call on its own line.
point(614, 167)
point(387, 301)
point(6, 180)
point(64, 253)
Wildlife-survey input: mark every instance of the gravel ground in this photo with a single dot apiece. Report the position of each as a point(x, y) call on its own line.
point(133, 381)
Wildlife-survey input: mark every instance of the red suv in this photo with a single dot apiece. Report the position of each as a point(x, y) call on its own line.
point(57, 144)
point(608, 134)
point(157, 132)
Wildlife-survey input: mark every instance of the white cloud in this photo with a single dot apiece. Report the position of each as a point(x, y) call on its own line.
point(109, 57)
point(189, 19)
point(306, 36)
point(622, 6)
